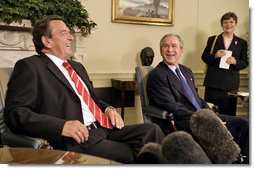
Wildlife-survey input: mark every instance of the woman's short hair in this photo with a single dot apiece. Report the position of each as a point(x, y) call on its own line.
point(227, 16)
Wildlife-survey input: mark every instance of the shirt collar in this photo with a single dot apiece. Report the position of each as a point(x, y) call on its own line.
point(56, 60)
point(172, 67)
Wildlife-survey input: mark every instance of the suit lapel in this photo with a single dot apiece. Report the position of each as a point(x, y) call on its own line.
point(233, 44)
point(220, 42)
point(55, 71)
point(177, 84)
point(190, 82)
point(175, 81)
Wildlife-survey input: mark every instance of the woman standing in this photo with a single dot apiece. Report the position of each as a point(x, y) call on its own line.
point(220, 80)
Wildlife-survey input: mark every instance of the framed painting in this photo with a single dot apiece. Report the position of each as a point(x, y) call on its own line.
point(149, 12)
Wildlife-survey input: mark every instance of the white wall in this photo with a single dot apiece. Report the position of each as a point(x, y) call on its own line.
point(114, 48)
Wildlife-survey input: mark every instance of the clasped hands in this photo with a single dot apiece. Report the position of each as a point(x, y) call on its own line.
point(78, 131)
point(230, 60)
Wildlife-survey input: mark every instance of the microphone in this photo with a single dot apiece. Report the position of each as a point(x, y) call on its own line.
point(214, 137)
point(150, 153)
point(180, 148)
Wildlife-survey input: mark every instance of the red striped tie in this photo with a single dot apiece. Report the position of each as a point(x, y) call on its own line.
point(99, 115)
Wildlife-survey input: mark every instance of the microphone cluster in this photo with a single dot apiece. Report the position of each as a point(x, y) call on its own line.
point(213, 145)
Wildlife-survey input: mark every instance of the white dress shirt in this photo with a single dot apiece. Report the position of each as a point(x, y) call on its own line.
point(88, 116)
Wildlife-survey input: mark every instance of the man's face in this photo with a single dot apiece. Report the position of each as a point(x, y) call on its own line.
point(171, 51)
point(59, 44)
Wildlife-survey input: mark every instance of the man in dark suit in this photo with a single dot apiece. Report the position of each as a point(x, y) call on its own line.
point(165, 90)
point(43, 101)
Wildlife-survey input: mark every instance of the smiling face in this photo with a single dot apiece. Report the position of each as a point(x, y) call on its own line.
point(228, 26)
point(59, 43)
point(171, 50)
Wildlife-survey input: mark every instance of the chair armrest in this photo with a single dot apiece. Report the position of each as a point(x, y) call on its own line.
point(15, 140)
point(155, 112)
point(160, 113)
point(213, 107)
point(210, 105)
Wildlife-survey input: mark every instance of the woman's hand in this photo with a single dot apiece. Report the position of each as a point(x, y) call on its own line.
point(220, 53)
point(231, 61)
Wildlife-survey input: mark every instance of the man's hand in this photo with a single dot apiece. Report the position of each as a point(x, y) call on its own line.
point(115, 118)
point(76, 130)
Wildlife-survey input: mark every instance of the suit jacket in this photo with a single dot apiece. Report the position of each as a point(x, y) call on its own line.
point(40, 99)
point(165, 90)
point(225, 79)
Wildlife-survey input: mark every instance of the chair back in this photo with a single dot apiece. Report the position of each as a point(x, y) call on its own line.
point(2, 124)
point(5, 74)
point(7, 138)
point(150, 112)
point(141, 73)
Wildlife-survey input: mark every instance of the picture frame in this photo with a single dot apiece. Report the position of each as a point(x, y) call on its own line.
point(148, 12)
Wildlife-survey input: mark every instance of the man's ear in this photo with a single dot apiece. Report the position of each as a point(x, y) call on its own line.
point(182, 52)
point(46, 42)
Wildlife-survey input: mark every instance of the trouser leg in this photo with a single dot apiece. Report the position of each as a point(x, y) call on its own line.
point(227, 104)
point(124, 144)
point(137, 135)
point(239, 129)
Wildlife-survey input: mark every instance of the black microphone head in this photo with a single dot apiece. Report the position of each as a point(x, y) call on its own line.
point(180, 148)
point(150, 153)
point(214, 137)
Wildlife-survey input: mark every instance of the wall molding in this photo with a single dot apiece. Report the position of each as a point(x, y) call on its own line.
point(103, 80)
point(199, 78)
point(244, 87)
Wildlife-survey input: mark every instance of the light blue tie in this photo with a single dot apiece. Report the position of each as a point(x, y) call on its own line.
point(187, 89)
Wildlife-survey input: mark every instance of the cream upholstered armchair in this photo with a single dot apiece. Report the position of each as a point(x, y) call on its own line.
point(150, 112)
point(8, 138)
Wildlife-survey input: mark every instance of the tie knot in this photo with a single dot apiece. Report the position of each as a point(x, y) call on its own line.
point(66, 65)
point(177, 70)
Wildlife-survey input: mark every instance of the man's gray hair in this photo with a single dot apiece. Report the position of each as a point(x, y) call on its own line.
point(171, 35)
